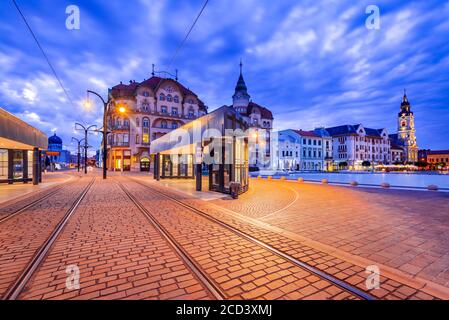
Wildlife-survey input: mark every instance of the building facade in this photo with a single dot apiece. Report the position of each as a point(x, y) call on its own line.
point(55, 152)
point(354, 145)
point(438, 158)
point(260, 120)
point(406, 135)
point(300, 150)
point(21, 146)
point(142, 112)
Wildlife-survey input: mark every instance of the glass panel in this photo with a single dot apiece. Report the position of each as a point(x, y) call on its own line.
point(167, 165)
point(190, 165)
point(3, 164)
point(175, 161)
point(18, 164)
point(30, 164)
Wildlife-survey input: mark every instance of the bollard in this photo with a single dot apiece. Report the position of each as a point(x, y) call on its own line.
point(300, 180)
point(269, 177)
point(259, 177)
point(385, 185)
point(354, 183)
point(432, 187)
point(324, 181)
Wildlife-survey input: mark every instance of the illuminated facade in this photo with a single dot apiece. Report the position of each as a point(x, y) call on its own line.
point(355, 144)
point(142, 112)
point(406, 136)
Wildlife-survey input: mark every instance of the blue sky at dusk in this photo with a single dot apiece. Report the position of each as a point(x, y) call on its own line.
point(313, 63)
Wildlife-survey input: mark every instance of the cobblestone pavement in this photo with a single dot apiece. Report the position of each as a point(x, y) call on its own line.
point(243, 269)
point(23, 234)
point(303, 250)
point(404, 230)
point(120, 255)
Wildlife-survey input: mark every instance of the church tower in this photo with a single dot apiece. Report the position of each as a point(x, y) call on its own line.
point(240, 99)
point(406, 131)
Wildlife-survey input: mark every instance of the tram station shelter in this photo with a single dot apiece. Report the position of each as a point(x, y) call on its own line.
point(214, 145)
point(20, 150)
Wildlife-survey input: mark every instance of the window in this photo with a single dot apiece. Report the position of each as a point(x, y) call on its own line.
point(191, 112)
point(310, 142)
point(163, 124)
point(169, 98)
point(3, 164)
point(176, 99)
point(126, 123)
point(319, 142)
point(162, 97)
point(145, 106)
point(146, 123)
point(164, 109)
point(174, 125)
point(146, 138)
point(174, 111)
point(146, 94)
point(314, 142)
point(304, 141)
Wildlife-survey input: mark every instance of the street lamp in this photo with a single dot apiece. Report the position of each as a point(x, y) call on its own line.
point(79, 150)
point(105, 132)
point(92, 128)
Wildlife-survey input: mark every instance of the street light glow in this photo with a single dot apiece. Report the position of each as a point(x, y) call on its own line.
point(122, 110)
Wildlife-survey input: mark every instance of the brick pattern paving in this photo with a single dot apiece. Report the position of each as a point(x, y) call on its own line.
point(23, 234)
point(407, 230)
point(341, 269)
point(120, 255)
point(242, 269)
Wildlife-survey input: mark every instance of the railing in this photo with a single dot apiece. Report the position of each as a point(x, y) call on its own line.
point(119, 127)
point(114, 144)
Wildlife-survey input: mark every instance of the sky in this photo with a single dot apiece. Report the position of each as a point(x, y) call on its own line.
point(313, 63)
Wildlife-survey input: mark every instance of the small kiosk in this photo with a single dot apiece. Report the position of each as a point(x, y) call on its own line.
point(216, 143)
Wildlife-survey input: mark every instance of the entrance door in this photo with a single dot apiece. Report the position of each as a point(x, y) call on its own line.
point(145, 164)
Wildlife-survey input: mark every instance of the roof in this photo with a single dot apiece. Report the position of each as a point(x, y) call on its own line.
point(265, 113)
point(438, 152)
point(349, 129)
point(128, 90)
point(303, 133)
point(54, 139)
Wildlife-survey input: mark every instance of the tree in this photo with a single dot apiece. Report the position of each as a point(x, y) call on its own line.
point(366, 164)
point(342, 165)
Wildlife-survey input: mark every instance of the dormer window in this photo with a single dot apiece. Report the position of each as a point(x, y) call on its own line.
point(146, 94)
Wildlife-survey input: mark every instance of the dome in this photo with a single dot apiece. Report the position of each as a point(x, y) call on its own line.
point(54, 140)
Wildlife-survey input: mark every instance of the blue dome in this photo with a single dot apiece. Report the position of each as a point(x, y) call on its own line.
point(54, 140)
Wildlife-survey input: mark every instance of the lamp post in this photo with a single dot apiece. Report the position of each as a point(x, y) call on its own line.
point(105, 126)
point(105, 129)
point(79, 150)
point(92, 128)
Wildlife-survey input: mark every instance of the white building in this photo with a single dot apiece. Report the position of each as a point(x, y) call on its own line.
point(354, 145)
point(300, 150)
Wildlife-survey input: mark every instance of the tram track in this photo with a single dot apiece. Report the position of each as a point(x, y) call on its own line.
point(46, 195)
point(304, 266)
point(15, 289)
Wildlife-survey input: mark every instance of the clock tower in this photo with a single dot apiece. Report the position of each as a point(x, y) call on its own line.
point(240, 99)
point(406, 131)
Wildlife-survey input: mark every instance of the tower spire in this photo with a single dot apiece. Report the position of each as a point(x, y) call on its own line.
point(241, 66)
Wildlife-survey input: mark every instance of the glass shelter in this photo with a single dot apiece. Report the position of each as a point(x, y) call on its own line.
point(214, 146)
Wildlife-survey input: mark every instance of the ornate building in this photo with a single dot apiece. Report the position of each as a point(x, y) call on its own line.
point(406, 137)
point(355, 144)
point(55, 153)
point(260, 120)
point(142, 112)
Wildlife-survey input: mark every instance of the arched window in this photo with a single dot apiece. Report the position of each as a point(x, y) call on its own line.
point(169, 98)
point(162, 97)
point(176, 99)
point(146, 94)
point(146, 123)
point(163, 124)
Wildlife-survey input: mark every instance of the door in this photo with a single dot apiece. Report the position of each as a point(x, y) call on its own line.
point(145, 164)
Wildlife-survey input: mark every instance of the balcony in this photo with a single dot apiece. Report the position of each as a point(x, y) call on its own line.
point(117, 144)
point(119, 127)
